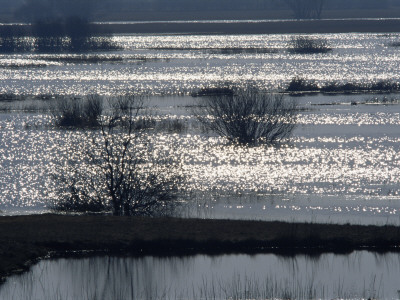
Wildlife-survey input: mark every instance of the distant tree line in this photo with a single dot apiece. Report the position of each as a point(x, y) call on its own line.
point(72, 34)
point(306, 9)
point(31, 10)
point(45, 10)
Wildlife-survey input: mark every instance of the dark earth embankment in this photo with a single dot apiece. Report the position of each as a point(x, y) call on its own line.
point(24, 239)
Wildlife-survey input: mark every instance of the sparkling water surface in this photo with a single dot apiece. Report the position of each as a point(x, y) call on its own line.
point(340, 165)
point(168, 64)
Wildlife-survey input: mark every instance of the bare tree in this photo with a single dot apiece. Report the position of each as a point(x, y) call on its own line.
point(306, 9)
point(249, 116)
point(116, 170)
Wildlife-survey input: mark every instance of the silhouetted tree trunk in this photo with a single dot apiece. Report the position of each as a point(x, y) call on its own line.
point(306, 9)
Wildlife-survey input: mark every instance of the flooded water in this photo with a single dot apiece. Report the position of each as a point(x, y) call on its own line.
point(340, 165)
point(359, 275)
point(170, 64)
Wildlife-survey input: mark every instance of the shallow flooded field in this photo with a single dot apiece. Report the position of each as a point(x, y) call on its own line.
point(171, 64)
point(340, 165)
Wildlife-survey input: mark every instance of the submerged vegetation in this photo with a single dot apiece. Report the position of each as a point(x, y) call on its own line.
point(300, 85)
point(113, 168)
point(79, 58)
point(225, 50)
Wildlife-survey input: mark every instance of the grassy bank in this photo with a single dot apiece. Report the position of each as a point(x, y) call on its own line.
point(24, 239)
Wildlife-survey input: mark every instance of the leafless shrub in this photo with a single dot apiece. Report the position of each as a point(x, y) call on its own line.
point(249, 116)
point(115, 169)
point(78, 113)
point(92, 109)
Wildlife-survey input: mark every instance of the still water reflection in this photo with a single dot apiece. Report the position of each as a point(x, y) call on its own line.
point(360, 275)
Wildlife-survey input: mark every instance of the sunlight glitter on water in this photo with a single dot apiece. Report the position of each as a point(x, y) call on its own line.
point(331, 169)
point(180, 64)
point(339, 155)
